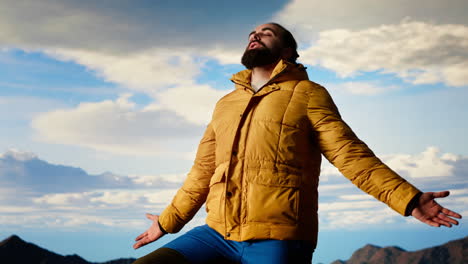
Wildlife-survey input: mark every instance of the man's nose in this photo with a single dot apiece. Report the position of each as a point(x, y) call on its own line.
point(254, 36)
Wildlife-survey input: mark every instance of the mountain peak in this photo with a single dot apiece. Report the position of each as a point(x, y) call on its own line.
point(370, 246)
point(15, 250)
point(450, 252)
point(13, 239)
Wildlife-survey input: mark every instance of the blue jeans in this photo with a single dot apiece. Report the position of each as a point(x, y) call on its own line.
point(203, 244)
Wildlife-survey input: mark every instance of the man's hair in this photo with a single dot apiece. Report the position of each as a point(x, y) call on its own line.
point(288, 42)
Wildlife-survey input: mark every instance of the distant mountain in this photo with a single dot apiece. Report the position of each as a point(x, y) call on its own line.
point(453, 252)
point(14, 250)
point(24, 169)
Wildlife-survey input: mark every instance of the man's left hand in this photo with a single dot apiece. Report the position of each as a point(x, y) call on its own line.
point(430, 212)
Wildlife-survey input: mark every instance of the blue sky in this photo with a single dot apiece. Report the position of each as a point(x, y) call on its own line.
point(102, 105)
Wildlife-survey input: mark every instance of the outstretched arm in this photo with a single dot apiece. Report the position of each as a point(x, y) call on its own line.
point(340, 145)
point(189, 198)
point(358, 163)
point(428, 211)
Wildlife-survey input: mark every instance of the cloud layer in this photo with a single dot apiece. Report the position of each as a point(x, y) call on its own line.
point(417, 52)
point(121, 26)
point(309, 17)
point(344, 206)
point(148, 71)
point(51, 195)
point(115, 126)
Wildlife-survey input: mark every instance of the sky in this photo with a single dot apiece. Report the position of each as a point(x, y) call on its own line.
point(103, 103)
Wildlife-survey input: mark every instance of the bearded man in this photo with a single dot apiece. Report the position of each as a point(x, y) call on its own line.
point(258, 164)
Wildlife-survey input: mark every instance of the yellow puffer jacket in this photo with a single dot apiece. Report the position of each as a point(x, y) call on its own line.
point(258, 163)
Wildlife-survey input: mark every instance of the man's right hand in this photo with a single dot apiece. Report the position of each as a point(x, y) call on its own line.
point(152, 234)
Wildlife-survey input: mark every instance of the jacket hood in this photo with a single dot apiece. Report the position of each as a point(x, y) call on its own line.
point(283, 71)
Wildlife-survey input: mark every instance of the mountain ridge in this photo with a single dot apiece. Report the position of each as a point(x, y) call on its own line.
point(14, 250)
point(452, 252)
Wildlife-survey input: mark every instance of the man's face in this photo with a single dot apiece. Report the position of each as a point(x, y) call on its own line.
point(264, 46)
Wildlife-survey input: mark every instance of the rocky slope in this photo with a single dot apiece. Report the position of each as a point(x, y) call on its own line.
point(453, 252)
point(14, 250)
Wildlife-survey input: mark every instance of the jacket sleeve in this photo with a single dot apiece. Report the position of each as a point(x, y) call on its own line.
point(191, 196)
point(353, 158)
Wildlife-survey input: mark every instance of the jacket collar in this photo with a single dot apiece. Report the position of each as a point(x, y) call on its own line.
point(283, 71)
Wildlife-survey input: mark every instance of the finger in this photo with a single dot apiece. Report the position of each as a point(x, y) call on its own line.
point(441, 221)
point(152, 217)
point(451, 213)
point(431, 223)
point(447, 219)
point(138, 244)
point(149, 216)
point(141, 243)
point(441, 194)
point(141, 235)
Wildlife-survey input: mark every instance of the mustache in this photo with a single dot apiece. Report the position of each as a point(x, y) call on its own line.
point(258, 41)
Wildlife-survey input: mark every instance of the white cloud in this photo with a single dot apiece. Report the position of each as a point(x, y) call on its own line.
point(69, 220)
point(146, 71)
point(225, 55)
point(309, 17)
point(163, 197)
point(359, 219)
point(429, 163)
point(124, 26)
point(63, 199)
point(107, 199)
point(328, 169)
point(90, 210)
point(341, 206)
point(460, 192)
point(114, 126)
point(117, 198)
point(361, 88)
point(164, 74)
point(355, 197)
point(8, 209)
point(426, 168)
point(332, 188)
point(155, 180)
point(418, 52)
point(194, 102)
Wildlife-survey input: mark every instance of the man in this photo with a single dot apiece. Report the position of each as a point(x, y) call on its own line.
point(258, 165)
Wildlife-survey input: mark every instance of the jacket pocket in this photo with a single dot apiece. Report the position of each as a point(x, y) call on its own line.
point(273, 198)
point(216, 195)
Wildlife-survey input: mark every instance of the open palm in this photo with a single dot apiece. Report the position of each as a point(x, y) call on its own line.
point(430, 212)
point(152, 234)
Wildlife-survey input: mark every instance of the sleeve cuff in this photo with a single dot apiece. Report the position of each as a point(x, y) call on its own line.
point(412, 204)
point(161, 228)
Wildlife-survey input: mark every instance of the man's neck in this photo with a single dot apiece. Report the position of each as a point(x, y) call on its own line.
point(261, 75)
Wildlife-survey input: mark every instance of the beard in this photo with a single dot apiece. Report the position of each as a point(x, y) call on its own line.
point(259, 57)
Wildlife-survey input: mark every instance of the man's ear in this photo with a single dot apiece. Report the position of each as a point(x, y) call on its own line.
point(286, 53)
